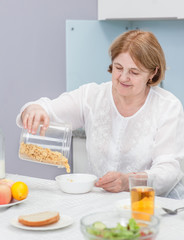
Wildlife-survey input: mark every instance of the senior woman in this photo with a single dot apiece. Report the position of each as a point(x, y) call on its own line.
point(132, 125)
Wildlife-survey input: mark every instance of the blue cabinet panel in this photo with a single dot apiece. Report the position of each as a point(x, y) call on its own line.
point(171, 37)
point(87, 44)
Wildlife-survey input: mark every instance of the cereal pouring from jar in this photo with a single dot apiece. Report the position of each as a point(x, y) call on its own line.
point(44, 155)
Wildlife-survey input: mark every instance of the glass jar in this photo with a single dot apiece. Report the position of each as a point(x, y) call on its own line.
point(52, 147)
point(2, 156)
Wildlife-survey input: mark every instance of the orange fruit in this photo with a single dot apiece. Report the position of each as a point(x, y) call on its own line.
point(19, 190)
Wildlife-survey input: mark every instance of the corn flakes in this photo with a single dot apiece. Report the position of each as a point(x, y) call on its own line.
point(44, 155)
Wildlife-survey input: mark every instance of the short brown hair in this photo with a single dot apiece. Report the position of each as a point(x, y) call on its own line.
point(145, 51)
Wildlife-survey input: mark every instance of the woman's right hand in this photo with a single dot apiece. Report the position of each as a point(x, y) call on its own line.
point(32, 116)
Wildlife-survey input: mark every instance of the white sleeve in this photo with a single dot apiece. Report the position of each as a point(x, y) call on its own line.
point(68, 108)
point(165, 171)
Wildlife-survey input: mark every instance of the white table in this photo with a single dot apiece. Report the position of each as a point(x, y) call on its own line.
point(45, 195)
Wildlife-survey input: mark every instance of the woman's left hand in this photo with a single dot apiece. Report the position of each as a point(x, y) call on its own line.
point(114, 182)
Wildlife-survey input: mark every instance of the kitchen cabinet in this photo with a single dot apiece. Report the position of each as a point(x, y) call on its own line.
point(88, 43)
point(140, 9)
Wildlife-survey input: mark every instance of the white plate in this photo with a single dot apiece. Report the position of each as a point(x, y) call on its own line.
point(125, 204)
point(63, 222)
point(12, 203)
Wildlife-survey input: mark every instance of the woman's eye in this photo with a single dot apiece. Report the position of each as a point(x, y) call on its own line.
point(119, 68)
point(134, 73)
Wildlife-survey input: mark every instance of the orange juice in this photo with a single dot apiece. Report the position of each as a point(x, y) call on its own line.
point(142, 199)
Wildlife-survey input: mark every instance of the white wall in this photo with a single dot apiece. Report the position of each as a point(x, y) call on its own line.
point(32, 64)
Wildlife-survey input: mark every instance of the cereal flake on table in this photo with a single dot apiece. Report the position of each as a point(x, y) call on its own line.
point(44, 155)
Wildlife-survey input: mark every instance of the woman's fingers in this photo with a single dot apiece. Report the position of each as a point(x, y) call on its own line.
point(107, 178)
point(113, 182)
point(33, 116)
point(46, 121)
point(24, 120)
point(42, 131)
point(30, 122)
point(35, 123)
point(113, 188)
point(44, 126)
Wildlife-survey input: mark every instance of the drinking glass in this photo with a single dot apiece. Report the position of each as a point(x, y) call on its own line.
point(142, 195)
point(2, 156)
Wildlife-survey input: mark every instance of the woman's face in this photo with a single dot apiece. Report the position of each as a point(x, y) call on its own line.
point(128, 79)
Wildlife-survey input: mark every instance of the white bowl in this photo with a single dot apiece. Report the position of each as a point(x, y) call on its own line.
point(76, 183)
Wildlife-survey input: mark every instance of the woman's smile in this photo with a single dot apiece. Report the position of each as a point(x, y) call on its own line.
point(125, 84)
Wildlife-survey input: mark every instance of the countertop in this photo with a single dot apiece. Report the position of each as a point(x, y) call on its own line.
point(45, 195)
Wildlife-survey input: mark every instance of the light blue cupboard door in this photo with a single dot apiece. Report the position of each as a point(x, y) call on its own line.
point(171, 37)
point(87, 44)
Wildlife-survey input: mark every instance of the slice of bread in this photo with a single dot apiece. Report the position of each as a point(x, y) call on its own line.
point(39, 219)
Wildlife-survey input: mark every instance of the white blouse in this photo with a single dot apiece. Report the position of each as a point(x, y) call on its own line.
point(151, 140)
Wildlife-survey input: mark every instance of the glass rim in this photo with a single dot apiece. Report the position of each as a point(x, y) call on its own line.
point(153, 223)
point(120, 214)
point(139, 176)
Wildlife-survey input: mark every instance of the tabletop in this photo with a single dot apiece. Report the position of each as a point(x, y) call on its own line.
point(45, 195)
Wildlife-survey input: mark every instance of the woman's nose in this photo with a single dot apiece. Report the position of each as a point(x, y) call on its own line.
point(124, 75)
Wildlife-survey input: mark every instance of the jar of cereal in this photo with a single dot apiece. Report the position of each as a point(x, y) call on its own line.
point(49, 147)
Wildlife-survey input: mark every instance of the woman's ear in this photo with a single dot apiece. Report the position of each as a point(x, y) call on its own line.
point(155, 72)
point(110, 68)
point(151, 80)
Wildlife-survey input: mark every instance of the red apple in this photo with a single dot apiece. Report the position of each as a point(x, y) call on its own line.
point(9, 182)
point(5, 194)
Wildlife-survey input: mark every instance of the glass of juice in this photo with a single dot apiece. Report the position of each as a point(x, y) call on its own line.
point(142, 195)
